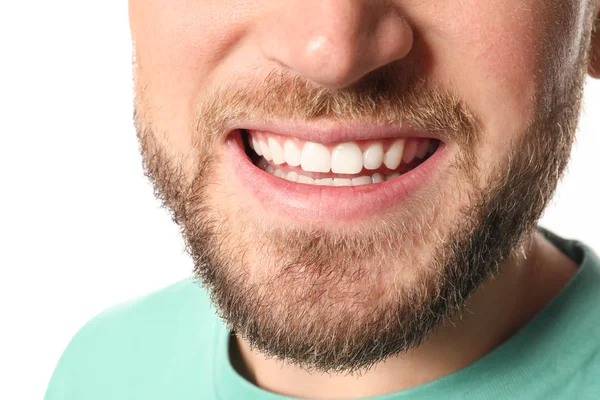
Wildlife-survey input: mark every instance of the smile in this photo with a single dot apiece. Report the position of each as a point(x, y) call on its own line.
point(345, 164)
point(321, 180)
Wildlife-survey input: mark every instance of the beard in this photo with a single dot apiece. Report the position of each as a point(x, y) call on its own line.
point(344, 298)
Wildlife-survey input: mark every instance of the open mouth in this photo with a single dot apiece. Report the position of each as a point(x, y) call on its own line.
point(325, 173)
point(354, 163)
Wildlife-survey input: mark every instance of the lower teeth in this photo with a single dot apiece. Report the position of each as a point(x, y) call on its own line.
point(293, 176)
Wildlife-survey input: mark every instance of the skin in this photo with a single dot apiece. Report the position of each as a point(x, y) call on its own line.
point(503, 60)
point(487, 324)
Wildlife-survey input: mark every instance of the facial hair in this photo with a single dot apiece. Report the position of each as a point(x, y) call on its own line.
point(331, 301)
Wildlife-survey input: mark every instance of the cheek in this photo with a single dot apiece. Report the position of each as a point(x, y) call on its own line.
point(183, 39)
point(179, 45)
point(490, 58)
point(493, 54)
point(500, 81)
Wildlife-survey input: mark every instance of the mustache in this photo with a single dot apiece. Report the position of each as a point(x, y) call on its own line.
point(384, 98)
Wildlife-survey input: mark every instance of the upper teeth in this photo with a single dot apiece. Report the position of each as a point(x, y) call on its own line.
point(373, 156)
point(346, 158)
point(315, 158)
point(343, 158)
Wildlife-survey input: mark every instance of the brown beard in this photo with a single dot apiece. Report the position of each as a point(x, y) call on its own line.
point(322, 299)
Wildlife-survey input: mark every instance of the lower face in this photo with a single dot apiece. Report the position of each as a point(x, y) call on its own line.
point(335, 254)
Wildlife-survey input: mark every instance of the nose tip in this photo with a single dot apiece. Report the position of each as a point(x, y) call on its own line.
point(334, 43)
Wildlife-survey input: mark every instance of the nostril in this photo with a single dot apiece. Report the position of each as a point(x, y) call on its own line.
point(334, 43)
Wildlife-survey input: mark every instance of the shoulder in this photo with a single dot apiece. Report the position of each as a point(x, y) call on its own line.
point(136, 341)
point(148, 318)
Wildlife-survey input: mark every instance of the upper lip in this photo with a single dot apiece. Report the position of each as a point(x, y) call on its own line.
point(329, 131)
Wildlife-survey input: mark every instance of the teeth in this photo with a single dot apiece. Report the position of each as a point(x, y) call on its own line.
point(279, 173)
point(346, 158)
point(393, 156)
point(392, 176)
point(276, 151)
point(255, 146)
point(292, 176)
point(361, 180)
point(266, 151)
point(324, 182)
point(306, 179)
point(377, 178)
point(315, 158)
point(291, 153)
point(262, 164)
point(373, 156)
point(342, 181)
point(422, 148)
point(410, 151)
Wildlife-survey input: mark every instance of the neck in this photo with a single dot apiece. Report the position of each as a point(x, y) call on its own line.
point(527, 282)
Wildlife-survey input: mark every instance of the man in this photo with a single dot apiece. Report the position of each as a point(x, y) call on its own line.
point(358, 183)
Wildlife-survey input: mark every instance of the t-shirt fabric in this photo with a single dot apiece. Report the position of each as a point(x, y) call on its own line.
point(171, 345)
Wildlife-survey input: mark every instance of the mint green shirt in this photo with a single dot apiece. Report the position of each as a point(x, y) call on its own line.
point(171, 345)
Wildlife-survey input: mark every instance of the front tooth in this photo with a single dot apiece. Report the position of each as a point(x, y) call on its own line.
point(266, 151)
point(291, 153)
point(279, 173)
point(324, 182)
point(315, 158)
point(346, 158)
point(393, 156)
point(276, 151)
point(361, 180)
point(373, 156)
point(342, 182)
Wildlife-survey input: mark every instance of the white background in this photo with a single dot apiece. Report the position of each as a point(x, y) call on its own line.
point(80, 229)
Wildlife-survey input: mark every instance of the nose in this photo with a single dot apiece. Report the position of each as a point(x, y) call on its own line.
point(334, 42)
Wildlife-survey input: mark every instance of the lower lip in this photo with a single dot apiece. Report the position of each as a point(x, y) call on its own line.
point(312, 203)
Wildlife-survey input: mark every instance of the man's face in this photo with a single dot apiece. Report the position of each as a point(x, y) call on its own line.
point(474, 104)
